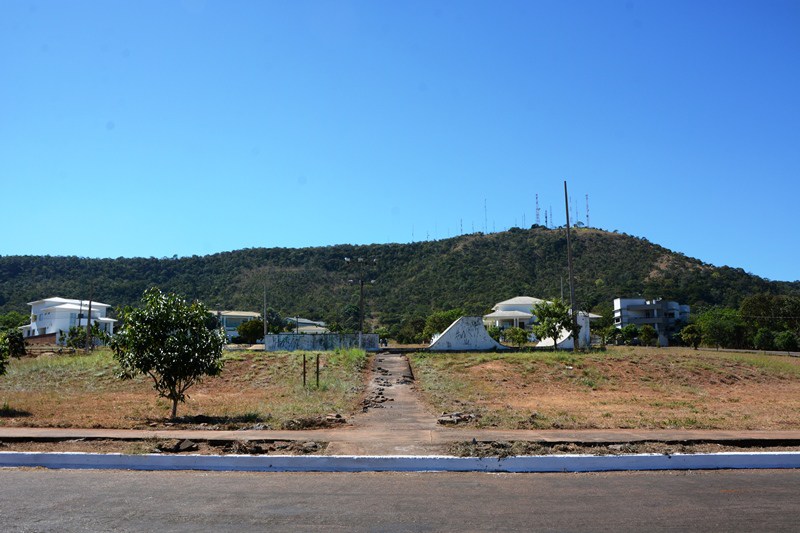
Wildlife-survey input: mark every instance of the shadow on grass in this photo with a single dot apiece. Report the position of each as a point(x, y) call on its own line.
point(10, 412)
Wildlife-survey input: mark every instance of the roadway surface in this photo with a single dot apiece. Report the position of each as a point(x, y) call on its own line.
point(88, 500)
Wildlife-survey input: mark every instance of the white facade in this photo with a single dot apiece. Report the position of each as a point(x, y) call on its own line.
point(518, 312)
point(56, 315)
point(660, 314)
point(513, 313)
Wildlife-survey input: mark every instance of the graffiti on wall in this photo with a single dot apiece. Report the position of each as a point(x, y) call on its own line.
point(290, 342)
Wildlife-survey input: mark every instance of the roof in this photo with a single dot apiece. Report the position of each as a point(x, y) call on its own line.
point(248, 314)
point(520, 300)
point(301, 320)
point(508, 314)
point(58, 300)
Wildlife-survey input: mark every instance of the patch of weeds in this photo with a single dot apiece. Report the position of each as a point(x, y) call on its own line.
point(681, 423)
point(592, 378)
point(564, 420)
point(145, 446)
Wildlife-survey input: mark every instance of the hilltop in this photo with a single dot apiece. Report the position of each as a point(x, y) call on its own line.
point(470, 271)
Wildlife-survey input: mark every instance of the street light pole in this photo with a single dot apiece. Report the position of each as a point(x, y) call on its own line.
point(575, 332)
point(360, 262)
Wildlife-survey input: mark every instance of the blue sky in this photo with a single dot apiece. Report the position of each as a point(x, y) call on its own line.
point(153, 128)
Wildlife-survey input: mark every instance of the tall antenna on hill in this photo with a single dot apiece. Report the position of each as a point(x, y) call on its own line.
point(537, 209)
point(545, 219)
point(552, 220)
point(485, 218)
point(587, 210)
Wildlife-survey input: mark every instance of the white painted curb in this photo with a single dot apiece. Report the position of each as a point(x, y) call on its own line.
point(352, 463)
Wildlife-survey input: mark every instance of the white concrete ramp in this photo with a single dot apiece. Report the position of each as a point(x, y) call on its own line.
point(465, 334)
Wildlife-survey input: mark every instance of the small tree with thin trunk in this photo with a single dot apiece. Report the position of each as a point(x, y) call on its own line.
point(692, 335)
point(169, 340)
point(5, 350)
point(647, 334)
point(516, 336)
point(551, 319)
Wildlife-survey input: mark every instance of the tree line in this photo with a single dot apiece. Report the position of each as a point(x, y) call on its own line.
point(412, 281)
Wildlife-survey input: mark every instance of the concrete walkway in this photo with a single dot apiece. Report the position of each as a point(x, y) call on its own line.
point(396, 423)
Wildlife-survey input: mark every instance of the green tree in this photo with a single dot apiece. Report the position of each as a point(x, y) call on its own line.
point(610, 334)
point(410, 330)
point(275, 322)
point(250, 331)
point(15, 342)
point(786, 341)
point(647, 334)
point(12, 320)
point(494, 332)
point(5, 352)
point(764, 339)
point(169, 340)
point(516, 336)
point(76, 336)
point(629, 333)
point(692, 335)
point(440, 321)
point(722, 328)
point(551, 319)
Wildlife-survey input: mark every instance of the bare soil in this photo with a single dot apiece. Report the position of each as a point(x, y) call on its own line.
point(514, 448)
point(622, 388)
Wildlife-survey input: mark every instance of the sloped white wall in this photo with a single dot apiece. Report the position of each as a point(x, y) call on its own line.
point(466, 333)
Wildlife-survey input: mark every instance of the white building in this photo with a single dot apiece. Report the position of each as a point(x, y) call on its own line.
point(231, 320)
point(51, 318)
point(664, 316)
point(518, 312)
point(513, 313)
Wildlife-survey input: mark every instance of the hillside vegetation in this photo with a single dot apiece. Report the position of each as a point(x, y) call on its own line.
point(471, 272)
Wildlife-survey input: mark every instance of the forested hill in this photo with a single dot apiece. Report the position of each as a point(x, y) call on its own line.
point(471, 271)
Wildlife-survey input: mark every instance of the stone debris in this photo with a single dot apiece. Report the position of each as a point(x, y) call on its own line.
point(314, 422)
point(455, 418)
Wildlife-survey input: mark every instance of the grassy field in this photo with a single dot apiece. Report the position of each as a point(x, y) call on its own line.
point(623, 387)
point(254, 388)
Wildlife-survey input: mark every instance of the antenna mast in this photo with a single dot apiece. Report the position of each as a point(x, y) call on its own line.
point(587, 210)
point(485, 218)
point(537, 209)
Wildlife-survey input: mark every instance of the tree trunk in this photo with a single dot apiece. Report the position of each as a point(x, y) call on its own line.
point(174, 409)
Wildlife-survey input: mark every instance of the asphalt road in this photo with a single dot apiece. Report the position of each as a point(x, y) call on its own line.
point(89, 500)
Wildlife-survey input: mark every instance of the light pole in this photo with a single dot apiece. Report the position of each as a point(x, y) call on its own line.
point(360, 262)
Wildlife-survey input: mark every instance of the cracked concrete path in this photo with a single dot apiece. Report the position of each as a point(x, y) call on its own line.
point(393, 418)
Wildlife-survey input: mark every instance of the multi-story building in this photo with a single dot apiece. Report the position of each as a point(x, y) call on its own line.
point(663, 315)
point(51, 318)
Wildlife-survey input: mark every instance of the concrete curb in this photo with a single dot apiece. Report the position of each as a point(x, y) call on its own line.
point(350, 463)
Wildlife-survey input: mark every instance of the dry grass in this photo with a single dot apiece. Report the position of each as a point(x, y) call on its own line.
point(254, 388)
point(620, 388)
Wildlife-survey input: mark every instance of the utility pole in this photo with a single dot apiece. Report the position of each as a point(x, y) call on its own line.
point(264, 316)
point(360, 263)
point(89, 322)
point(575, 332)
